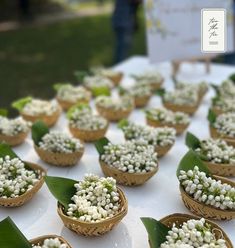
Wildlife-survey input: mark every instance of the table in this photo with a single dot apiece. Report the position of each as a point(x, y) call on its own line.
point(157, 198)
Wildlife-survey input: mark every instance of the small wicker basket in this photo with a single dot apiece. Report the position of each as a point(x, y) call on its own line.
point(208, 211)
point(225, 170)
point(94, 229)
point(88, 135)
point(125, 178)
point(116, 79)
point(59, 159)
point(180, 128)
point(14, 140)
point(179, 219)
point(216, 135)
point(22, 199)
point(49, 120)
point(190, 110)
point(40, 240)
point(65, 105)
point(162, 150)
point(141, 101)
point(157, 85)
point(113, 115)
point(217, 111)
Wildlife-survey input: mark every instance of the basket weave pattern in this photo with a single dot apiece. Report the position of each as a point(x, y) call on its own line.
point(65, 105)
point(225, 170)
point(13, 140)
point(182, 108)
point(95, 229)
point(141, 101)
point(116, 79)
point(40, 240)
point(162, 150)
point(216, 135)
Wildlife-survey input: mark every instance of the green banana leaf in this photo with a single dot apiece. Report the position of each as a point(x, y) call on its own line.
point(157, 232)
point(215, 88)
point(39, 129)
point(123, 123)
point(61, 188)
point(19, 104)
point(3, 112)
point(232, 77)
point(57, 86)
point(5, 150)
point(160, 92)
point(99, 144)
point(192, 141)
point(11, 236)
point(122, 91)
point(211, 117)
point(101, 91)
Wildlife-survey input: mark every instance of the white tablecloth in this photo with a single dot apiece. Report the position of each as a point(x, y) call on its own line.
point(158, 197)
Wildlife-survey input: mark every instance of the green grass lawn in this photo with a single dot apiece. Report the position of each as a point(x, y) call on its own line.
point(33, 59)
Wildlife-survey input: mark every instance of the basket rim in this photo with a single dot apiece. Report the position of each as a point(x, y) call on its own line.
point(123, 211)
point(56, 112)
point(14, 136)
point(168, 123)
point(220, 135)
point(86, 100)
point(41, 181)
point(102, 108)
point(43, 237)
point(90, 131)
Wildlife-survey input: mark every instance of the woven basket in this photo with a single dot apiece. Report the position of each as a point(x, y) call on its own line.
point(179, 219)
point(216, 135)
point(116, 79)
point(88, 135)
point(49, 120)
point(225, 170)
point(141, 101)
point(113, 115)
point(59, 159)
point(22, 199)
point(40, 240)
point(13, 140)
point(190, 110)
point(179, 128)
point(157, 85)
point(125, 178)
point(217, 111)
point(95, 229)
point(162, 150)
point(65, 105)
point(207, 211)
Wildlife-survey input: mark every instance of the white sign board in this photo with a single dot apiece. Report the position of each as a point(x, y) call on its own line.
point(174, 27)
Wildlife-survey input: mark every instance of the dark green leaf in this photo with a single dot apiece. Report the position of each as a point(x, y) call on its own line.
point(101, 91)
point(6, 150)
point(79, 106)
point(232, 77)
point(121, 90)
point(57, 86)
point(39, 129)
point(61, 188)
point(99, 144)
point(157, 232)
point(3, 112)
point(11, 236)
point(80, 75)
point(123, 123)
point(160, 92)
point(211, 117)
point(215, 87)
point(192, 141)
point(189, 161)
point(19, 104)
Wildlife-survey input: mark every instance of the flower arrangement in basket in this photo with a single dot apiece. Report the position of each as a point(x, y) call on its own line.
point(12, 237)
point(69, 95)
point(55, 147)
point(132, 163)
point(162, 138)
point(90, 207)
point(222, 126)
point(205, 194)
point(185, 231)
point(85, 125)
point(13, 131)
point(215, 153)
point(161, 117)
point(32, 109)
point(20, 180)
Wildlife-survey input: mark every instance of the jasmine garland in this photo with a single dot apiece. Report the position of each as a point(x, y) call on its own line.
point(51, 243)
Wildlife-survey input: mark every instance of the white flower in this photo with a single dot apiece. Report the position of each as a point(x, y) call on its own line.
point(105, 72)
point(149, 77)
point(227, 89)
point(139, 90)
point(51, 243)
point(59, 142)
point(223, 103)
point(201, 87)
point(132, 156)
point(225, 124)
point(97, 81)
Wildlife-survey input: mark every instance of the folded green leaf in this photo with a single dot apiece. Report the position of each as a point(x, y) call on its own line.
point(101, 91)
point(19, 104)
point(189, 161)
point(80, 75)
point(121, 90)
point(160, 92)
point(232, 77)
point(78, 106)
point(11, 236)
point(39, 129)
point(211, 117)
point(3, 112)
point(61, 188)
point(5, 150)
point(123, 123)
point(99, 144)
point(192, 141)
point(215, 99)
point(157, 232)
point(59, 85)
point(215, 87)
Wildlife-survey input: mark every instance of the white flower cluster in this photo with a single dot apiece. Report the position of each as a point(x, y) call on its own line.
point(12, 127)
point(225, 104)
point(51, 243)
point(132, 156)
point(96, 199)
point(207, 190)
point(201, 87)
point(40, 107)
point(59, 142)
point(119, 103)
point(15, 178)
point(105, 72)
point(225, 124)
point(161, 136)
point(140, 90)
point(216, 151)
point(167, 116)
point(149, 77)
point(193, 233)
point(84, 119)
point(182, 97)
point(97, 81)
point(72, 93)
point(227, 89)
